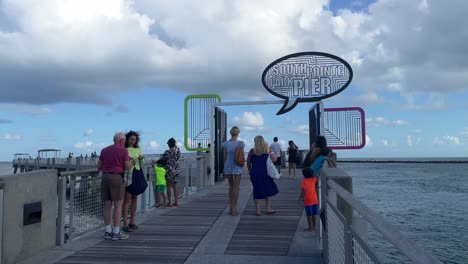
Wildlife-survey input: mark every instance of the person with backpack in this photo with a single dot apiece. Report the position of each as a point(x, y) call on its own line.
point(232, 170)
point(293, 155)
point(319, 148)
point(136, 157)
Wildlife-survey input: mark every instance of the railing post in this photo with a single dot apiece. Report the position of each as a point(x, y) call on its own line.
point(71, 205)
point(348, 244)
point(324, 219)
point(68, 164)
point(53, 163)
point(61, 193)
point(202, 164)
point(1, 222)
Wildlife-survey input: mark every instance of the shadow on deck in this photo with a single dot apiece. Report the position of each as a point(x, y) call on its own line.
point(201, 230)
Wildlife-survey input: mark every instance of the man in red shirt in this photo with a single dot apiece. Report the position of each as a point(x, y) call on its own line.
point(113, 162)
point(309, 195)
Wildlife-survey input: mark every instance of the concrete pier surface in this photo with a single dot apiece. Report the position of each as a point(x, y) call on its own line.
point(201, 230)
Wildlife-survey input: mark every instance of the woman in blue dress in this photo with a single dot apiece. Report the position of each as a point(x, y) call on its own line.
point(231, 170)
point(263, 185)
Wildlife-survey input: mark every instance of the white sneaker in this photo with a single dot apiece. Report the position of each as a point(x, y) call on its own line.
point(120, 236)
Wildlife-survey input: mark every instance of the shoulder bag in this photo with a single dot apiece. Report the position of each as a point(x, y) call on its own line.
point(239, 158)
point(271, 169)
point(138, 183)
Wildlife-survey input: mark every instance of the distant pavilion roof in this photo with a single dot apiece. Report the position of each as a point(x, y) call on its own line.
point(42, 153)
point(47, 150)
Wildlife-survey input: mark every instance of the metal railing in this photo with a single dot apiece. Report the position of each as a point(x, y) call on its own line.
point(79, 195)
point(1, 221)
point(344, 240)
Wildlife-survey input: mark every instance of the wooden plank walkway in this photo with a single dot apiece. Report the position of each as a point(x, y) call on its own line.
point(168, 238)
point(269, 235)
point(200, 230)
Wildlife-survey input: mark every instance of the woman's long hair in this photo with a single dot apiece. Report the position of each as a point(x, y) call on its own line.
point(292, 145)
point(260, 146)
point(129, 135)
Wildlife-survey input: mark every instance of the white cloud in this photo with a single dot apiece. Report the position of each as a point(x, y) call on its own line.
point(427, 102)
point(249, 121)
point(10, 137)
point(369, 99)
point(88, 132)
point(399, 123)
point(87, 51)
point(464, 133)
point(385, 142)
point(382, 122)
point(31, 110)
point(290, 121)
point(369, 142)
point(409, 141)
point(89, 146)
point(154, 145)
point(301, 129)
point(446, 140)
point(452, 139)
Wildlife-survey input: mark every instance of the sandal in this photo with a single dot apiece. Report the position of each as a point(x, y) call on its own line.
point(169, 205)
point(175, 204)
point(127, 229)
point(133, 226)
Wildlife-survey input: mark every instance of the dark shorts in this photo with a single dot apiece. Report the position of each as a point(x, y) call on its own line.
point(278, 161)
point(311, 210)
point(112, 187)
point(160, 189)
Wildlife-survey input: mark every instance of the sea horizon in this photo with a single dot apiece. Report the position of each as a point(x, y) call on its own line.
point(463, 159)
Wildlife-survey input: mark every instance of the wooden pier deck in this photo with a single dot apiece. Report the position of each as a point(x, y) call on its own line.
point(200, 230)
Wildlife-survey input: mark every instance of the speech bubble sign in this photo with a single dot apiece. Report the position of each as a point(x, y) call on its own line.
point(306, 77)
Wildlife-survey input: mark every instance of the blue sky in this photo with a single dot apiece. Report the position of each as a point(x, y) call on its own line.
point(73, 73)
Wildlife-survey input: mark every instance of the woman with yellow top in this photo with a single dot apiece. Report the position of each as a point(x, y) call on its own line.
point(136, 157)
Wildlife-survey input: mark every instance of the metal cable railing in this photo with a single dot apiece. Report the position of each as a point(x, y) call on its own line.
point(80, 207)
point(345, 241)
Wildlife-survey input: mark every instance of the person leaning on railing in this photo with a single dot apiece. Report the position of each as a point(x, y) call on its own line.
point(113, 162)
point(318, 148)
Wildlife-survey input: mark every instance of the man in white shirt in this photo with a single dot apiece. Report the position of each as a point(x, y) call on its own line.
point(276, 148)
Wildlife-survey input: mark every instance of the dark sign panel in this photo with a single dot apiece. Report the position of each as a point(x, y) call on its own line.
point(306, 77)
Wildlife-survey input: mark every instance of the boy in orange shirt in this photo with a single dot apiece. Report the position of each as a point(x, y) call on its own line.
point(309, 196)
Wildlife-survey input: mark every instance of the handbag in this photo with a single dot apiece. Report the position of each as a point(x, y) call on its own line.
point(271, 169)
point(138, 183)
point(239, 158)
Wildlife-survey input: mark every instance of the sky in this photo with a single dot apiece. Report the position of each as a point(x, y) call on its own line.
point(72, 73)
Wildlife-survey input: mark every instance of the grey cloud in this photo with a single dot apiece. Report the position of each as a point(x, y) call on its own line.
point(220, 49)
point(121, 108)
point(5, 121)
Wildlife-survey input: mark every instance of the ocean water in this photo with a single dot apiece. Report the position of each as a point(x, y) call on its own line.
point(5, 168)
point(427, 201)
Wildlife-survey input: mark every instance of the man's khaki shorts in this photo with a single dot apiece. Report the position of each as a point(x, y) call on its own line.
point(112, 187)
